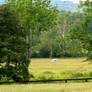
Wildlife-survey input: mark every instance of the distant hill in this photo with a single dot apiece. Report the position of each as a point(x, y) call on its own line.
point(62, 5)
point(66, 5)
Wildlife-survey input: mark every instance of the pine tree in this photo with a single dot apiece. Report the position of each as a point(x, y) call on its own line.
point(13, 47)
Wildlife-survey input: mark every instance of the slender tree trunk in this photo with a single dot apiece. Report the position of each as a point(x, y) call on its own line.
point(27, 40)
point(31, 41)
point(51, 51)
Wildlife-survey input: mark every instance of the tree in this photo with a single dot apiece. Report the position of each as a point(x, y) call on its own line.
point(56, 41)
point(13, 46)
point(83, 32)
point(36, 16)
point(48, 42)
point(67, 46)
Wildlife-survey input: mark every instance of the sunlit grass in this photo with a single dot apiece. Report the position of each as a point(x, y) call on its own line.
point(68, 87)
point(64, 68)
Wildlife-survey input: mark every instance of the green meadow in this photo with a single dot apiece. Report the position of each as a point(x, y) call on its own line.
point(63, 87)
point(63, 69)
point(46, 69)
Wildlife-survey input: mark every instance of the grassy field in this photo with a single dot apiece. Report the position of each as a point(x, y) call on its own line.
point(70, 87)
point(64, 68)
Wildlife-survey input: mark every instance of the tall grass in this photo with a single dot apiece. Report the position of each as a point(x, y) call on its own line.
point(70, 87)
point(64, 68)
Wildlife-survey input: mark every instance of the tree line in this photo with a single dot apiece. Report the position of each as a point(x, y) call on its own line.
point(56, 42)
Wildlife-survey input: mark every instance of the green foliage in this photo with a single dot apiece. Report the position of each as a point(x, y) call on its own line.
point(56, 42)
point(35, 13)
point(36, 16)
point(83, 31)
point(13, 47)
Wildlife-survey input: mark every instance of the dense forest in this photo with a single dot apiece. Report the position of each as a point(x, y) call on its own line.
point(56, 42)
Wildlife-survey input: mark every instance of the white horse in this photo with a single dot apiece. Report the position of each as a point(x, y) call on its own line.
point(54, 60)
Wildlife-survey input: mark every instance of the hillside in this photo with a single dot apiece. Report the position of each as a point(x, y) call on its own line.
point(66, 5)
